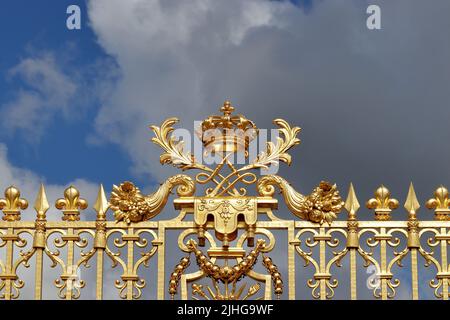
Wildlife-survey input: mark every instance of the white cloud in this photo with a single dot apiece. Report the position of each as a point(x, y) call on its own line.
point(351, 89)
point(29, 182)
point(46, 91)
point(160, 52)
point(53, 88)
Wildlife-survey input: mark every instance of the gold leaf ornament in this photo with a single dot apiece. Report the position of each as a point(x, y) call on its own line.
point(174, 150)
point(277, 152)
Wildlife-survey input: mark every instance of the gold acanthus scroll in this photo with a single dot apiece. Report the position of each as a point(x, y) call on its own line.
point(130, 205)
point(321, 205)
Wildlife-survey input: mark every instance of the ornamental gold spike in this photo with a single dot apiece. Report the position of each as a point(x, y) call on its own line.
point(440, 203)
point(352, 206)
point(101, 204)
point(411, 203)
point(41, 204)
point(12, 204)
point(71, 204)
point(352, 203)
point(382, 204)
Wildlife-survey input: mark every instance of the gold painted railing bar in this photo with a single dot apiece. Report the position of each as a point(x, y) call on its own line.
point(225, 243)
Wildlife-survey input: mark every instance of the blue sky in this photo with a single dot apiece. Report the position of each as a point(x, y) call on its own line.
point(63, 153)
point(30, 29)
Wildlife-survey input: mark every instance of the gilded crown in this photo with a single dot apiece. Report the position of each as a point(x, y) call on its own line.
point(227, 133)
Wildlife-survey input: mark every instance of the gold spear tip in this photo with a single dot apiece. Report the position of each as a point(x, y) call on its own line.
point(411, 203)
point(352, 203)
point(41, 204)
point(101, 205)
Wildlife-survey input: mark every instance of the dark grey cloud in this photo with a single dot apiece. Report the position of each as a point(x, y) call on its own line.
point(373, 105)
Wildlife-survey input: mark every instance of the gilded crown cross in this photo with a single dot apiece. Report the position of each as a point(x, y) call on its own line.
point(227, 108)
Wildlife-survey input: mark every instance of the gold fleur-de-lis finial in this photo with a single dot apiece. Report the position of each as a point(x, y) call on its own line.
point(41, 204)
point(383, 204)
point(411, 203)
point(101, 204)
point(12, 204)
point(71, 204)
point(352, 203)
point(440, 203)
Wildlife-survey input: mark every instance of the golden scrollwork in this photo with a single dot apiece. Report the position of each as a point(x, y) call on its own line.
point(276, 152)
point(323, 204)
point(234, 227)
point(174, 153)
point(130, 205)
